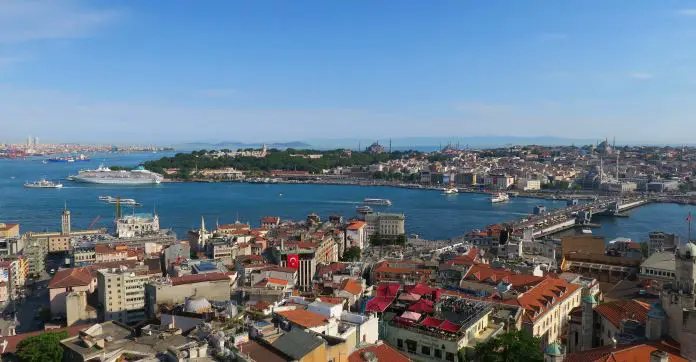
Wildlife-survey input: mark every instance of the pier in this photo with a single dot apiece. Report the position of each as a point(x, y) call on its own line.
point(551, 222)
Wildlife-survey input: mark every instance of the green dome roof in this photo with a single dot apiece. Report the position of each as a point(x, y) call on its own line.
point(657, 312)
point(589, 299)
point(554, 349)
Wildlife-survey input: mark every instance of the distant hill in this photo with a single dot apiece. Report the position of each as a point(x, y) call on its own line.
point(232, 145)
point(434, 143)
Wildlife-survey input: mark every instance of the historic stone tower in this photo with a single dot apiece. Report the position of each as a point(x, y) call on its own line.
point(65, 222)
point(588, 306)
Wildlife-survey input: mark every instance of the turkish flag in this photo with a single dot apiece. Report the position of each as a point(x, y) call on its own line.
point(293, 261)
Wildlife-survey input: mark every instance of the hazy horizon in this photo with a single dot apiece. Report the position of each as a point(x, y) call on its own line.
point(77, 71)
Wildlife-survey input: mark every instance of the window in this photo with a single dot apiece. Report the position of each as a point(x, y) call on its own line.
point(438, 353)
point(400, 343)
point(411, 346)
point(425, 350)
point(449, 356)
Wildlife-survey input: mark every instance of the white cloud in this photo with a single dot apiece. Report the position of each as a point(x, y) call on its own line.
point(686, 12)
point(641, 76)
point(22, 21)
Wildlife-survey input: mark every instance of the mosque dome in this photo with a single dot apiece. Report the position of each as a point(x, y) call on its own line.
point(200, 305)
point(688, 250)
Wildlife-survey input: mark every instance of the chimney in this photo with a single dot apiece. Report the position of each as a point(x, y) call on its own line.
point(659, 356)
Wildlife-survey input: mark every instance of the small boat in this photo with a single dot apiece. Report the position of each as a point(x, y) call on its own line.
point(106, 198)
point(44, 162)
point(450, 190)
point(380, 202)
point(586, 231)
point(125, 202)
point(363, 209)
point(42, 184)
point(499, 197)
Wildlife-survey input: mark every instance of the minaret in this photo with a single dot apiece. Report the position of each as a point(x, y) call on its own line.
point(617, 165)
point(65, 221)
point(202, 235)
point(588, 305)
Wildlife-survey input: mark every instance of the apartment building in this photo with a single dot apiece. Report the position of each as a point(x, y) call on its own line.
point(356, 234)
point(547, 306)
point(661, 241)
point(122, 293)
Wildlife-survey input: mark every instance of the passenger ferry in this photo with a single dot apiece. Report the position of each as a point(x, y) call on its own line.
point(363, 209)
point(42, 184)
point(380, 202)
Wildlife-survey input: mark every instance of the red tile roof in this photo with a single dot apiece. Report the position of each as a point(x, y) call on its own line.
point(382, 352)
point(270, 220)
point(234, 227)
point(542, 297)
point(356, 225)
point(304, 318)
point(379, 304)
point(387, 289)
point(73, 277)
point(6, 226)
point(351, 286)
point(619, 310)
point(198, 278)
point(331, 268)
point(275, 281)
point(486, 273)
point(625, 353)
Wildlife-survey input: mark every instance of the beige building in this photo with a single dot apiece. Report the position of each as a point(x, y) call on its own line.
point(9, 230)
point(212, 286)
point(122, 293)
point(526, 184)
point(137, 225)
point(385, 224)
point(547, 306)
point(58, 243)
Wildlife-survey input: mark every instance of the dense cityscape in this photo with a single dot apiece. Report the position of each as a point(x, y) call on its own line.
point(347, 181)
point(361, 286)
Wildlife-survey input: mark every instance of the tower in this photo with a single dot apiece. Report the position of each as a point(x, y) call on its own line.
point(588, 305)
point(686, 268)
point(202, 235)
point(65, 222)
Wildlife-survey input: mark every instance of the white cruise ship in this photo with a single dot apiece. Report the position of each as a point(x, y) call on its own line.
point(499, 197)
point(104, 175)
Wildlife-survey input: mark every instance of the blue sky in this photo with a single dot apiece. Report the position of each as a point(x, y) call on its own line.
point(178, 71)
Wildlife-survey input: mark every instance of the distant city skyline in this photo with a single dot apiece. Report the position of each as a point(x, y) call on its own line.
point(136, 72)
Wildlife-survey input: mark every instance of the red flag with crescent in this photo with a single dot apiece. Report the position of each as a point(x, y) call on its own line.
point(293, 261)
